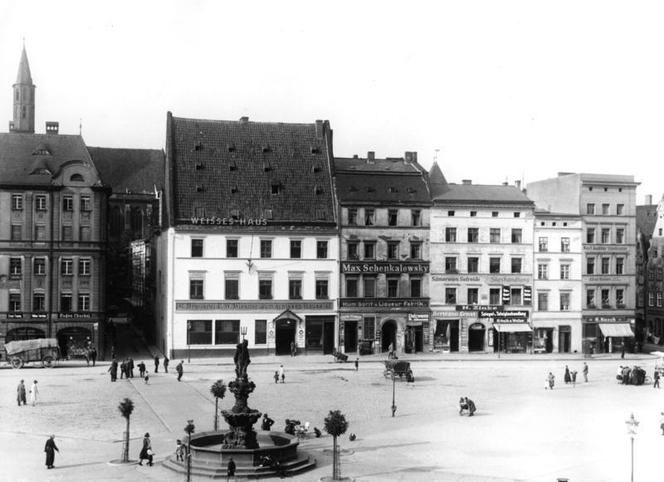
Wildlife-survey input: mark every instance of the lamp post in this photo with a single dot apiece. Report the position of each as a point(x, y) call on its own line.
point(189, 428)
point(394, 406)
point(189, 342)
point(243, 330)
point(632, 425)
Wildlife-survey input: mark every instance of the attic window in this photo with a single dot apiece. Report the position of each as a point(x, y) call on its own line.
point(234, 189)
point(276, 188)
point(230, 147)
point(198, 146)
point(315, 150)
point(199, 212)
point(315, 168)
point(200, 166)
point(266, 148)
point(318, 190)
point(268, 213)
point(266, 166)
point(320, 214)
point(232, 166)
point(235, 213)
point(76, 178)
point(371, 189)
point(200, 188)
point(41, 150)
point(392, 189)
point(352, 189)
point(411, 190)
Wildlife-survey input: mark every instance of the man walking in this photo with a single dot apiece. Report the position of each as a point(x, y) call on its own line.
point(130, 368)
point(282, 375)
point(179, 369)
point(166, 360)
point(357, 364)
point(93, 356)
point(113, 370)
point(156, 364)
point(50, 448)
point(585, 372)
point(230, 469)
point(20, 393)
point(656, 377)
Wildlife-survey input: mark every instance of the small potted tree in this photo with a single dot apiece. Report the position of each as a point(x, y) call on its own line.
point(126, 408)
point(218, 390)
point(336, 425)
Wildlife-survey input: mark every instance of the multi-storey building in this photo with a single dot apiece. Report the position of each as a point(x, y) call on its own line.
point(606, 204)
point(558, 282)
point(481, 266)
point(384, 211)
point(250, 242)
point(52, 242)
point(136, 178)
point(646, 218)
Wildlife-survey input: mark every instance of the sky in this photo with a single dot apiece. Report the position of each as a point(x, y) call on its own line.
point(495, 90)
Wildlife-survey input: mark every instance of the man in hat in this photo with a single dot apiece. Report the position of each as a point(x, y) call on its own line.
point(50, 448)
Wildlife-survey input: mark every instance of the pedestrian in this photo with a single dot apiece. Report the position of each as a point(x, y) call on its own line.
point(33, 393)
point(573, 374)
point(230, 469)
point(462, 405)
point(141, 369)
point(585, 372)
point(292, 348)
point(282, 375)
point(147, 379)
point(156, 364)
point(654, 385)
point(622, 351)
point(130, 368)
point(567, 378)
point(179, 451)
point(179, 369)
point(357, 364)
point(112, 352)
point(123, 368)
point(661, 422)
point(471, 407)
point(267, 422)
point(166, 360)
point(113, 370)
point(551, 379)
point(50, 448)
point(146, 451)
point(93, 356)
point(276, 376)
point(20, 393)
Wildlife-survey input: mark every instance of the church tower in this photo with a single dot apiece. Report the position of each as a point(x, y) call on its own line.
point(24, 99)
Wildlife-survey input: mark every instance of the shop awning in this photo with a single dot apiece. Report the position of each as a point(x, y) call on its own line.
point(512, 327)
point(616, 329)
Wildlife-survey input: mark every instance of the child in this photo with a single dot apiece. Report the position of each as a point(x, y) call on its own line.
point(147, 379)
point(276, 376)
point(179, 451)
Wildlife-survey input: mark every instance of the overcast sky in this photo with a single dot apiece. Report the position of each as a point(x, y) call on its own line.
point(505, 90)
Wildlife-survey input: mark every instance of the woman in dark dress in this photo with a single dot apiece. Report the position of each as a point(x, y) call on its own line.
point(50, 448)
point(568, 377)
point(146, 451)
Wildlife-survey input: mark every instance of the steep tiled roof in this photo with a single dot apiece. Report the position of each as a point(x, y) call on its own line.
point(276, 171)
point(646, 218)
point(34, 159)
point(483, 194)
point(389, 181)
point(437, 182)
point(130, 170)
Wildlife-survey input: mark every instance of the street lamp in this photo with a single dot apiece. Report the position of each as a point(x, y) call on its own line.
point(632, 425)
point(243, 330)
point(189, 428)
point(189, 342)
point(394, 406)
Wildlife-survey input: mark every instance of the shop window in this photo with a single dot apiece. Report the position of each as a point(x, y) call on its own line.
point(199, 332)
point(369, 327)
point(260, 332)
point(226, 332)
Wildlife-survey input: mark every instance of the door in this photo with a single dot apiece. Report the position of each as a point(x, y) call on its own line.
point(476, 333)
point(284, 334)
point(328, 337)
point(388, 336)
point(350, 336)
point(564, 339)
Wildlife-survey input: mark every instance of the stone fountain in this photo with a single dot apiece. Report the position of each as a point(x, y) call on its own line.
point(255, 454)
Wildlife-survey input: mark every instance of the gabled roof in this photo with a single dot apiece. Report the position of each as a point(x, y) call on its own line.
point(26, 159)
point(276, 171)
point(130, 170)
point(482, 194)
point(24, 76)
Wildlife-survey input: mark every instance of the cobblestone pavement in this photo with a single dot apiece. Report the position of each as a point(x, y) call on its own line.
point(521, 431)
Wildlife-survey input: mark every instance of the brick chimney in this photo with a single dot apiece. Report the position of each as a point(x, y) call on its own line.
point(466, 182)
point(517, 183)
point(319, 129)
point(244, 119)
point(371, 157)
point(648, 198)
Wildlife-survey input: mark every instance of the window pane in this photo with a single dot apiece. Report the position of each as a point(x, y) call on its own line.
point(232, 288)
point(265, 289)
point(321, 289)
point(227, 332)
point(199, 332)
point(295, 289)
point(295, 248)
point(351, 287)
point(392, 287)
point(196, 248)
point(231, 248)
point(196, 289)
point(321, 249)
point(266, 248)
point(369, 287)
point(260, 330)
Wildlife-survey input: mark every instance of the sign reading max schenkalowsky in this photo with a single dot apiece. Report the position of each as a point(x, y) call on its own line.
point(384, 267)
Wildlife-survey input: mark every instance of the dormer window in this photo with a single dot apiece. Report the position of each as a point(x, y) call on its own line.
point(392, 189)
point(200, 188)
point(230, 147)
point(198, 146)
point(266, 166)
point(315, 150)
point(318, 190)
point(276, 188)
point(268, 213)
point(232, 166)
point(266, 148)
point(315, 168)
point(235, 213)
point(200, 166)
point(76, 178)
point(234, 189)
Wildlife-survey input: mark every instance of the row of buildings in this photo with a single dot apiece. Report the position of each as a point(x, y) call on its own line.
point(257, 231)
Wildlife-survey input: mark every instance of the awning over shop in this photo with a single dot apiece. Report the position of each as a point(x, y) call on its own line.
point(616, 329)
point(512, 327)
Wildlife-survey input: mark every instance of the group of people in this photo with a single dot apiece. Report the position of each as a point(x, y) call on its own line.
point(568, 377)
point(467, 405)
point(21, 393)
point(632, 376)
point(127, 369)
point(280, 374)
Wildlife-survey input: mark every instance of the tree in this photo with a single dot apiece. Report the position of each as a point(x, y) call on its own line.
point(126, 407)
point(218, 389)
point(335, 425)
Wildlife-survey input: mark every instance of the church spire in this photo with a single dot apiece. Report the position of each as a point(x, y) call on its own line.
point(24, 98)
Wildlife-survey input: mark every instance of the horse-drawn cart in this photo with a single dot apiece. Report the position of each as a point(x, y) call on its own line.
point(339, 357)
point(398, 368)
point(43, 350)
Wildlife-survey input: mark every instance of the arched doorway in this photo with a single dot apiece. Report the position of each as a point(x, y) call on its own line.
point(476, 333)
point(285, 326)
point(388, 335)
point(73, 337)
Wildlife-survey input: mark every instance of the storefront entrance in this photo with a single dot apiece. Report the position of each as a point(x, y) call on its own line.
point(414, 339)
point(73, 339)
point(350, 336)
point(564, 339)
point(284, 335)
point(388, 334)
point(476, 335)
point(446, 336)
point(543, 342)
point(320, 334)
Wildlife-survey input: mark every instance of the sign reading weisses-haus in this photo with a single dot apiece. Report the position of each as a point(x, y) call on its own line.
point(384, 267)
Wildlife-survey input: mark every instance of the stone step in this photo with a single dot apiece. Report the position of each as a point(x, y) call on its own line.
point(290, 467)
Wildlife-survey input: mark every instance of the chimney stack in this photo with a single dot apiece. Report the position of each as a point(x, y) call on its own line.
point(371, 157)
point(319, 129)
point(648, 198)
point(466, 182)
point(517, 183)
point(408, 157)
point(52, 127)
point(244, 119)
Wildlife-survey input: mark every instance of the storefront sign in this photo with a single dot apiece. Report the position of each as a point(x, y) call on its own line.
point(351, 317)
point(384, 303)
point(266, 305)
point(610, 279)
point(76, 316)
point(214, 220)
point(516, 316)
point(384, 267)
point(454, 314)
point(509, 279)
point(456, 278)
point(479, 307)
point(506, 295)
point(38, 315)
point(14, 315)
point(598, 248)
point(417, 318)
point(608, 319)
point(527, 295)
